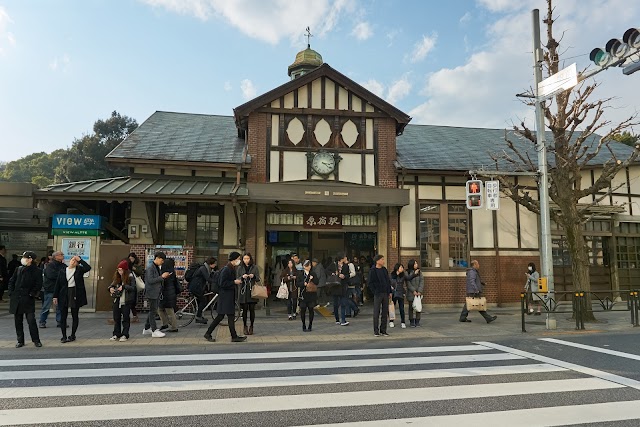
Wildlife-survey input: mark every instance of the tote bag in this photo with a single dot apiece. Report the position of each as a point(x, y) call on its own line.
point(283, 291)
point(476, 304)
point(259, 292)
point(139, 283)
point(417, 304)
point(392, 311)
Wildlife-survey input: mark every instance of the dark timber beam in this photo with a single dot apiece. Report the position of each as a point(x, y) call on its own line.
point(110, 227)
point(151, 217)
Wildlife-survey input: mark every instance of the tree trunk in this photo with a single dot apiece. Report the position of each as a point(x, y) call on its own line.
point(580, 264)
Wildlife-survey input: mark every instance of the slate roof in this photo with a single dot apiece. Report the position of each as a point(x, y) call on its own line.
point(168, 136)
point(158, 187)
point(446, 148)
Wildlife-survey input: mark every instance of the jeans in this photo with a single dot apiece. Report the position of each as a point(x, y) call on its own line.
point(218, 319)
point(151, 318)
point(339, 302)
point(64, 312)
point(31, 321)
point(292, 303)
point(400, 303)
point(121, 319)
point(380, 307)
point(47, 300)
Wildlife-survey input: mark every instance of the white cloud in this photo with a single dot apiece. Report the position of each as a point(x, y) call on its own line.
point(465, 18)
point(422, 48)
point(60, 63)
point(391, 36)
point(227, 86)
point(362, 31)
point(374, 86)
point(481, 91)
point(248, 89)
point(267, 20)
point(396, 91)
point(6, 37)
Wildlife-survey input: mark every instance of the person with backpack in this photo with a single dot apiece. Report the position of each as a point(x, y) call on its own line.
point(123, 292)
point(199, 276)
point(137, 270)
point(23, 287)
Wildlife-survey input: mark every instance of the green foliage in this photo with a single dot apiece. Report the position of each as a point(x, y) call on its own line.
point(626, 138)
point(83, 161)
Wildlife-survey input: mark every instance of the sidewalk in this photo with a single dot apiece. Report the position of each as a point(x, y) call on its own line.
point(439, 323)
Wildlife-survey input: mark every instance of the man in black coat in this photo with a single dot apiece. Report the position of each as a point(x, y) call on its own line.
point(23, 288)
point(380, 286)
point(51, 272)
point(203, 277)
point(4, 272)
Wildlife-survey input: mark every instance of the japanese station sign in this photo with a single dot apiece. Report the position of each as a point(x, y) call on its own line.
point(77, 222)
point(322, 221)
point(493, 195)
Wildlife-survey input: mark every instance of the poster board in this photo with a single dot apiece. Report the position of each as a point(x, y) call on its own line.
point(77, 247)
point(177, 253)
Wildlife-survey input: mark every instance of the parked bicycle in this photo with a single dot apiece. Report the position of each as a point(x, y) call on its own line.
point(187, 313)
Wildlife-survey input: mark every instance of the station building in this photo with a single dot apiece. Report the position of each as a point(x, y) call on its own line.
point(320, 165)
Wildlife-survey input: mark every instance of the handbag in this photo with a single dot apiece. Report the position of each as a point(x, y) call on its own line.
point(283, 291)
point(417, 304)
point(333, 280)
point(476, 304)
point(392, 311)
point(139, 283)
point(311, 287)
point(259, 292)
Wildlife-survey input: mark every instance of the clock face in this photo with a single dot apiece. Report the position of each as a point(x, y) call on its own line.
point(323, 164)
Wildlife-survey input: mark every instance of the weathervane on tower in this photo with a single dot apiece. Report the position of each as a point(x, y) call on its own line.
point(308, 35)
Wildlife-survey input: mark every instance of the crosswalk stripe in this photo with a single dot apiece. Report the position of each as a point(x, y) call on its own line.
point(577, 368)
point(592, 348)
point(243, 383)
point(292, 402)
point(239, 356)
point(248, 367)
point(536, 417)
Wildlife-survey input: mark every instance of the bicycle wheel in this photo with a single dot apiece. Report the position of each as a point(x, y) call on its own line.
point(187, 313)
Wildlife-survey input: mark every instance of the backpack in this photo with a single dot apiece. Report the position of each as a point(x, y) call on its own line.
point(188, 276)
point(215, 283)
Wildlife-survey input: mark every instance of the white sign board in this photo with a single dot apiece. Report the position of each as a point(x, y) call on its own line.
point(493, 195)
point(559, 82)
point(79, 247)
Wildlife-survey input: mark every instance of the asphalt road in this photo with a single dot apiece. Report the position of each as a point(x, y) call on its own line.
point(519, 381)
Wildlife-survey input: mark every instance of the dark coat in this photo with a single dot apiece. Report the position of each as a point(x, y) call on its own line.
point(414, 284)
point(13, 266)
point(379, 282)
point(244, 288)
point(201, 278)
point(227, 291)
point(51, 272)
point(291, 283)
point(129, 289)
point(341, 290)
point(301, 281)
point(23, 287)
point(170, 291)
point(61, 290)
point(397, 285)
point(4, 272)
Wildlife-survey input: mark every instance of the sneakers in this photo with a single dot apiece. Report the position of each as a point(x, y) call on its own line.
point(403, 326)
point(113, 338)
point(147, 331)
point(42, 325)
point(158, 334)
point(172, 330)
point(391, 325)
point(376, 335)
point(384, 334)
point(123, 339)
point(290, 317)
point(344, 324)
point(164, 327)
point(337, 322)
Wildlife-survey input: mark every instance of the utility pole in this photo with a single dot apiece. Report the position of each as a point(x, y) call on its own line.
point(543, 183)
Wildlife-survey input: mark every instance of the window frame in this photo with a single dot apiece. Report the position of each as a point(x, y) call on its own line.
point(445, 243)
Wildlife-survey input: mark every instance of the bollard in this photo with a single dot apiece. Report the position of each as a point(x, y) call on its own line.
point(576, 309)
point(632, 307)
point(637, 302)
point(583, 309)
point(522, 308)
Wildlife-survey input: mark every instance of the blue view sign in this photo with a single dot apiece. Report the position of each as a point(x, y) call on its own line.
point(77, 222)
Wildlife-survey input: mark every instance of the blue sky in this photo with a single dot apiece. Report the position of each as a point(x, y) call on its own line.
point(65, 64)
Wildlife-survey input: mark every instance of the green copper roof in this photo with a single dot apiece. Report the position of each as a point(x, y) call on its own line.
point(307, 58)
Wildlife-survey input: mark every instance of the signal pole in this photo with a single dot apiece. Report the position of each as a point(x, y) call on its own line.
point(546, 257)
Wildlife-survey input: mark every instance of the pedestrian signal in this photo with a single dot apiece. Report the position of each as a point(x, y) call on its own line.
point(475, 199)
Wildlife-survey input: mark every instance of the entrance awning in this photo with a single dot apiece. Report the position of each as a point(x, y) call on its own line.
point(146, 188)
point(327, 194)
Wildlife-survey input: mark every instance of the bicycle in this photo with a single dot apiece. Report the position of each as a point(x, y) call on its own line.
point(187, 313)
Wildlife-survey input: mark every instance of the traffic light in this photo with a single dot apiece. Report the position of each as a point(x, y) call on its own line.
point(475, 199)
point(617, 51)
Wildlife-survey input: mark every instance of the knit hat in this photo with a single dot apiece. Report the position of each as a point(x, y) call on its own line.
point(123, 265)
point(234, 256)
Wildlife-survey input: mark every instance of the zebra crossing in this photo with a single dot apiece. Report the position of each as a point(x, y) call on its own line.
point(483, 383)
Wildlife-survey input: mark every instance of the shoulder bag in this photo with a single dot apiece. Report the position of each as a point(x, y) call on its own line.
point(476, 304)
point(139, 283)
point(283, 291)
point(259, 291)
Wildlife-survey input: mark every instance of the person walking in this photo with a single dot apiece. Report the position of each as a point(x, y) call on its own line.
point(531, 288)
point(51, 273)
point(398, 291)
point(247, 271)
point(170, 290)
point(474, 289)
point(339, 290)
point(137, 269)
point(4, 272)
point(152, 290)
point(23, 287)
point(320, 273)
point(352, 293)
point(202, 278)
point(380, 286)
point(70, 294)
point(290, 276)
point(308, 285)
point(227, 289)
point(415, 289)
point(123, 292)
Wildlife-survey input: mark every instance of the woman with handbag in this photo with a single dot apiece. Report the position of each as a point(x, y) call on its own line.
point(247, 272)
point(397, 289)
point(415, 289)
point(123, 292)
point(289, 276)
point(137, 270)
point(170, 291)
point(70, 294)
point(308, 285)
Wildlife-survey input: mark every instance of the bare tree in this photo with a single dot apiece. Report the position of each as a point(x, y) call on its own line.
point(581, 137)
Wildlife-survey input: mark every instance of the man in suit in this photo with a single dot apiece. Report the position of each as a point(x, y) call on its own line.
point(4, 272)
point(152, 289)
point(23, 287)
point(474, 289)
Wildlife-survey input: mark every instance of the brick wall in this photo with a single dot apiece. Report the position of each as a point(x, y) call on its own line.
point(257, 147)
point(387, 176)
